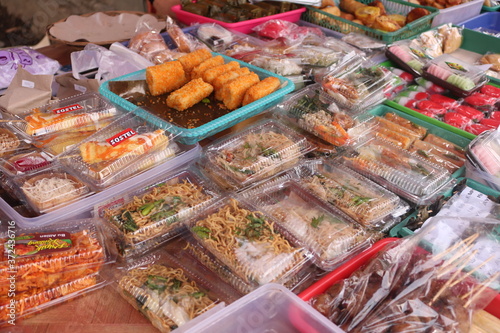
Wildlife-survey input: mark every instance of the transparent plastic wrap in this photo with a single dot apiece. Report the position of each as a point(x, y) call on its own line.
point(83, 112)
point(12, 141)
point(433, 280)
point(52, 264)
point(453, 74)
point(246, 246)
point(49, 189)
point(358, 83)
point(361, 199)
point(127, 146)
point(255, 153)
point(409, 57)
point(169, 292)
point(26, 161)
point(483, 159)
point(153, 213)
point(316, 112)
point(400, 171)
point(326, 232)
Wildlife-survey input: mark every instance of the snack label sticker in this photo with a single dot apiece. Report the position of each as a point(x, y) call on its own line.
point(122, 136)
point(28, 84)
point(41, 243)
point(68, 108)
point(418, 53)
point(454, 65)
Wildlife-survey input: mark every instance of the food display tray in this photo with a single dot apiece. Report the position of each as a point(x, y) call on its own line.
point(457, 14)
point(342, 25)
point(193, 135)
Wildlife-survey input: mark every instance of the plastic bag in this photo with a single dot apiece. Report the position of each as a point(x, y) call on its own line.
point(432, 281)
point(288, 32)
point(24, 57)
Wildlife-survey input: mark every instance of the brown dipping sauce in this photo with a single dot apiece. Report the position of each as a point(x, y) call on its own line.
point(199, 114)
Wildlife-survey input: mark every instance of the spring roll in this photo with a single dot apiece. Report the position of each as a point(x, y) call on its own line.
point(395, 138)
point(211, 74)
point(190, 94)
point(198, 71)
point(219, 82)
point(261, 89)
point(438, 155)
point(166, 77)
point(411, 126)
point(234, 91)
point(193, 59)
point(397, 128)
point(445, 144)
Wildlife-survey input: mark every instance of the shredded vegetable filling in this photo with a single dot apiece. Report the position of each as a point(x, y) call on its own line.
point(49, 188)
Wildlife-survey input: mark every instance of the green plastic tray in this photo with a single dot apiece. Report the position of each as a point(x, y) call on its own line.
point(400, 230)
point(457, 139)
point(489, 9)
point(339, 24)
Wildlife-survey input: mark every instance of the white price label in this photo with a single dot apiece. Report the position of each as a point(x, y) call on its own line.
point(28, 84)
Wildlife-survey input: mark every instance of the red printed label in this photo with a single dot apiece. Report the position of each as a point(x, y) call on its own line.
point(68, 108)
point(120, 137)
point(41, 243)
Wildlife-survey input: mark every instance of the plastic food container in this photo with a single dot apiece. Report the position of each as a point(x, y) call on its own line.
point(410, 59)
point(358, 83)
point(83, 206)
point(26, 161)
point(316, 112)
point(270, 308)
point(170, 293)
point(255, 153)
point(459, 13)
point(342, 25)
point(245, 248)
point(150, 214)
point(11, 141)
point(191, 135)
point(85, 112)
point(488, 22)
point(398, 170)
point(326, 232)
point(125, 147)
point(243, 26)
point(52, 264)
point(483, 159)
point(459, 77)
point(360, 198)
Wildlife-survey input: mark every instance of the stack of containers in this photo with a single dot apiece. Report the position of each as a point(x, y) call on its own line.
point(44, 266)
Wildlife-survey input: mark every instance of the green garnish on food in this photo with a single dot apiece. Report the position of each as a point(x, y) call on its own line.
point(254, 228)
point(420, 169)
point(155, 282)
point(316, 221)
point(147, 208)
point(358, 200)
point(198, 294)
point(205, 100)
point(452, 156)
point(244, 171)
point(423, 153)
point(202, 232)
point(129, 224)
point(269, 152)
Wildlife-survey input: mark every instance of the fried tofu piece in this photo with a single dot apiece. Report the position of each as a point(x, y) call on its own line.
point(193, 59)
point(219, 82)
point(190, 94)
point(234, 90)
point(211, 74)
point(261, 89)
point(166, 77)
point(198, 71)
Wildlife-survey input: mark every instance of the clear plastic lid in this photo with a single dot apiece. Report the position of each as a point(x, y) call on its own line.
point(318, 56)
point(151, 214)
point(326, 232)
point(170, 292)
point(78, 113)
point(485, 152)
point(26, 161)
point(402, 172)
point(11, 141)
point(458, 76)
point(357, 196)
point(257, 152)
point(57, 143)
point(358, 83)
point(50, 188)
point(235, 236)
point(279, 64)
point(408, 56)
point(313, 110)
point(52, 255)
point(127, 146)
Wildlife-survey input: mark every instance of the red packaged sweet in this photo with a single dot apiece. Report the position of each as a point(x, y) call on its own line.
point(491, 91)
point(456, 119)
point(493, 123)
point(447, 102)
point(470, 112)
point(477, 129)
point(480, 101)
point(432, 107)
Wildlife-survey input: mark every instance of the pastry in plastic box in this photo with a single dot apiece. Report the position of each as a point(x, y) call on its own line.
point(155, 211)
point(85, 112)
point(255, 153)
point(326, 232)
point(52, 264)
point(11, 141)
point(127, 146)
point(402, 172)
point(25, 161)
point(233, 236)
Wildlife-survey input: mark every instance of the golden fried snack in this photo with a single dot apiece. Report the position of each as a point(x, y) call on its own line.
point(399, 19)
point(415, 14)
point(493, 59)
point(211, 74)
point(347, 16)
point(219, 82)
point(165, 77)
point(198, 71)
point(350, 6)
point(193, 59)
point(385, 23)
point(190, 94)
point(379, 4)
point(367, 14)
point(333, 10)
point(261, 89)
point(234, 90)
point(452, 41)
